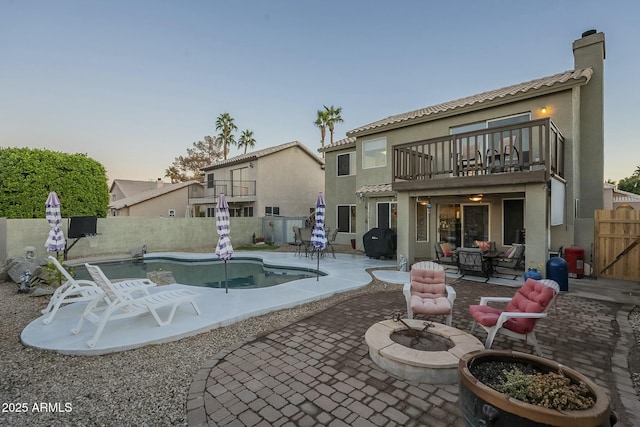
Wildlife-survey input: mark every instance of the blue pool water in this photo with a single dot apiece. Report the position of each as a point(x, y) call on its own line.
point(242, 273)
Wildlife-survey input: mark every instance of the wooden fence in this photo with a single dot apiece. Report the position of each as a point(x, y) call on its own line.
point(617, 244)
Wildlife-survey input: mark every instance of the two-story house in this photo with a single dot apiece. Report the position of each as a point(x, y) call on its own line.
point(150, 199)
point(278, 181)
point(523, 163)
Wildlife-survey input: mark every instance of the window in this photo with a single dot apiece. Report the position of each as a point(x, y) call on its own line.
point(209, 180)
point(374, 153)
point(475, 224)
point(347, 164)
point(271, 210)
point(512, 221)
point(172, 213)
point(247, 211)
point(347, 218)
point(239, 184)
point(422, 221)
point(211, 212)
point(388, 215)
point(449, 224)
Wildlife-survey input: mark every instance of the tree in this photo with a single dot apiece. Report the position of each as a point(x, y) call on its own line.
point(322, 120)
point(631, 183)
point(226, 125)
point(333, 117)
point(203, 153)
point(28, 175)
point(246, 140)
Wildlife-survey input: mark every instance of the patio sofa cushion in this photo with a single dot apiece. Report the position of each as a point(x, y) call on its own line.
point(429, 292)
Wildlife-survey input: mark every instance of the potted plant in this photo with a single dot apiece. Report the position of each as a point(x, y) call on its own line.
point(534, 392)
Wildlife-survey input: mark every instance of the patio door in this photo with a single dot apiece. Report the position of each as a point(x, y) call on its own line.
point(475, 224)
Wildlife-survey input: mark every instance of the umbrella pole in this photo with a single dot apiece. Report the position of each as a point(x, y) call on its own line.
point(318, 269)
point(226, 283)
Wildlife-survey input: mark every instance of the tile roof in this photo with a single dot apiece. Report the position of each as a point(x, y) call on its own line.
point(345, 141)
point(552, 83)
point(147, 195)
point(130, 187)
point(261, 153)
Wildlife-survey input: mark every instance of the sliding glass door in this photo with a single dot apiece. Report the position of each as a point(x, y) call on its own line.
point(475, 224)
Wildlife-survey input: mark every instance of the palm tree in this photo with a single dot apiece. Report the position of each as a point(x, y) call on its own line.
point(226, 126)
point(246, 140)
point(322, 120)
point(334, 117)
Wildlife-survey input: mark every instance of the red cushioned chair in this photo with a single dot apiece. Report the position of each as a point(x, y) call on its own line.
point(427, 293)
point(519, 318)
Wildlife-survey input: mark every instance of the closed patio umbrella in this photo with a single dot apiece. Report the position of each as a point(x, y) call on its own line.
point(224, 250)
point(318, 236)
point(55, 240)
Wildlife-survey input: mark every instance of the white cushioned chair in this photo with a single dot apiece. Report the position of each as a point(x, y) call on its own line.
point(427, 293)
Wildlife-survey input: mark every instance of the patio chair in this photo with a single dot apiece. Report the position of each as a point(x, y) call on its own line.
point(304, 236)
point(471, 261)
point(519, 318)
point(443, 258)
point(121, 304)
point(427, 293)
point(512, 260)
point(331, 240)
point(74, 290)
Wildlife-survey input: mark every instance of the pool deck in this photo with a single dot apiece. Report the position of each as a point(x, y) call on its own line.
point(344, 273)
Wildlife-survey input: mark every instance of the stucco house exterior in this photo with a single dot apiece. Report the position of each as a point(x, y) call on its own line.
point(283, 180)
point(150, 199)
point(523, 163)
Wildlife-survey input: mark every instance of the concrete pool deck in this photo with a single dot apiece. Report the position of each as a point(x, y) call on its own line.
point(344, 273)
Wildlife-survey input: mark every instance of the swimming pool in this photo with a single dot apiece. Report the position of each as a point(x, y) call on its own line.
point(242, 272)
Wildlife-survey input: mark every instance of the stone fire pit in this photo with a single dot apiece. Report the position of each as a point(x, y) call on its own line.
point(432, 367)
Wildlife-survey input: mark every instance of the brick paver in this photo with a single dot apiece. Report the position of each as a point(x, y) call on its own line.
point(317, 371)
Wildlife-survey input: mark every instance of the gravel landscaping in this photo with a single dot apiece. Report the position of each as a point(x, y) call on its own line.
point(145, 386)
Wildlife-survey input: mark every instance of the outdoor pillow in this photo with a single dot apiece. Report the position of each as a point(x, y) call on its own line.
point(484, 246)
point(510, 252)
point(446, 249)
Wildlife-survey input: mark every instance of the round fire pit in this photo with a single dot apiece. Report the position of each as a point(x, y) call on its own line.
point(432, 360)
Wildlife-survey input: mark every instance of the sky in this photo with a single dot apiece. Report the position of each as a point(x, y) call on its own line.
point(133, 84)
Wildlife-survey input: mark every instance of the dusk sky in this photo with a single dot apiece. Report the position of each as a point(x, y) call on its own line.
point(134, 83)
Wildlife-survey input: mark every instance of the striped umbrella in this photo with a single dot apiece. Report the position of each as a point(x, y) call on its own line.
point(224, 250)
point(55, 241)
point(318, 236)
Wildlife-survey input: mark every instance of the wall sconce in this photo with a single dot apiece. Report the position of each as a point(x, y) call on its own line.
point(361, 195)
point(476, 198)
point(250, 164)
point(544, 111)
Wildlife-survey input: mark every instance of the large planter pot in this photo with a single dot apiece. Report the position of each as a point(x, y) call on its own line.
point(483, 406)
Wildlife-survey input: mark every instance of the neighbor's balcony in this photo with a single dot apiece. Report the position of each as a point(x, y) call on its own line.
point(234, 191)
point(525, 152)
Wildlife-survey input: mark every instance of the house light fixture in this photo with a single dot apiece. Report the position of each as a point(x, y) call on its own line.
point(476, 198)
point(544, 110)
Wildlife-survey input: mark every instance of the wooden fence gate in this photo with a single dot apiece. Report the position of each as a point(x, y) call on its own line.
point(617, 244)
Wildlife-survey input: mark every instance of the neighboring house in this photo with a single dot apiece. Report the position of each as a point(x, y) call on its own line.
point(281, 181)
point(486, 167)
point(615, 199)
point(161, 200)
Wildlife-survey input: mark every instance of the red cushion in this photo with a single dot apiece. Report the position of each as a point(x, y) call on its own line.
point(484, 246)
point(447, 252)
point(532, 297)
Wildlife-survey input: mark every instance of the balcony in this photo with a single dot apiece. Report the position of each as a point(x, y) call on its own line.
point(234, 191)
point(519, 153)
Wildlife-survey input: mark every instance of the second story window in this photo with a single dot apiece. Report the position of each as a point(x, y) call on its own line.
point(346, 164)
point(209, 180)
point(271, 210)
point(374, 153)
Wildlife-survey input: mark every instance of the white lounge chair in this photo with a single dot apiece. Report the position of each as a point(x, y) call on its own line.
point(427, 292)
point(74, 290)
point(121, 304)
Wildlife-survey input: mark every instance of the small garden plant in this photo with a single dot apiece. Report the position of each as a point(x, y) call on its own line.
point(552, 390)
